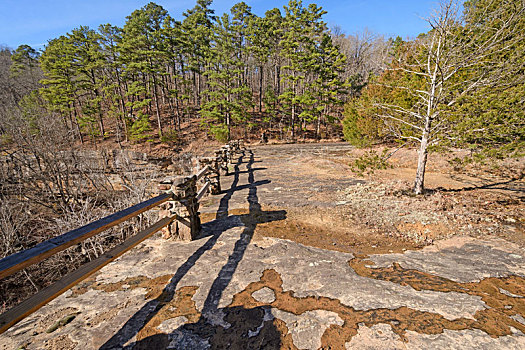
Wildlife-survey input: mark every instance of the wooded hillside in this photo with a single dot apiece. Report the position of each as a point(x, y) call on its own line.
point(285, 69)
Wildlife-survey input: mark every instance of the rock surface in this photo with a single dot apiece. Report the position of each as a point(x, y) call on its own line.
point(233, 289)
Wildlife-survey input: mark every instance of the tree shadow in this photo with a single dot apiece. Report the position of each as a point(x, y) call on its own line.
point(240, 328)
point(511, 185)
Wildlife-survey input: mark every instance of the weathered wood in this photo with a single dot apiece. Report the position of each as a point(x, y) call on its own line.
point(38, 300)
point(182, 220)
point(203, 190)
point(25, 258)
point(203, 172)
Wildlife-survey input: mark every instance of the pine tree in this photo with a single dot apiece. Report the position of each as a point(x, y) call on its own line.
point(88, 62)
point(176, 46)
point(197, 27)
point(58, 84)
point(110, 37)
point(141, 51)
point(301, 31)
point(261, 31)
point(489, 120)
point(229, 95)
point(24, 58)
point(326, 87)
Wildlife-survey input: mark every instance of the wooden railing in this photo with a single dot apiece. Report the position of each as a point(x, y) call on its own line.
point(179, 218)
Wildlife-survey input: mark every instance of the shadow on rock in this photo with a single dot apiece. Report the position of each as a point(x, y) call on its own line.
point(218, 328)
point(240, 328)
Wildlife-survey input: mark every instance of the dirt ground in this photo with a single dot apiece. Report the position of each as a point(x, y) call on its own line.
point(331, 207)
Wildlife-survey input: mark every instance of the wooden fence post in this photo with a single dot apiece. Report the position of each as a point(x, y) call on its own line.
point(223, 159)
point(185, 197)
point(166, 209)
point(213, 175)
point(184, 205)
point(187, 207)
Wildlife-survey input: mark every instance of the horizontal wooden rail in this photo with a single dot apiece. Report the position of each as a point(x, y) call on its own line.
point(25, 258)
point(203, 171)
point(41, 298)
point(203, 190)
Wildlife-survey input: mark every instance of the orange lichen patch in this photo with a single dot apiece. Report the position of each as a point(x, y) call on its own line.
point(181, 304)
point(494, 321)
point(153, 286)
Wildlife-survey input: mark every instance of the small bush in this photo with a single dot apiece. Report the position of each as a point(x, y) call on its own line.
point(140, 127)
point(170, 136)
point(220, 132)
point(359, 130)
point(369, 162)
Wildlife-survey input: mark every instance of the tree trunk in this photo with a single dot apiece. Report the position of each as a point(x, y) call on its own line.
point(72, 125)
point(260, 87)
point(293, 121)
point(198, 91)
point(156, 96)
point(100, 116)
point(101, 124)
point(194, 77)
point(228, 122)
point(419, 185)
point(278, 79)
point(77, 125)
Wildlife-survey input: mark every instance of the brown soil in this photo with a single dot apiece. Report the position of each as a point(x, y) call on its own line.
point(382, 216)
point(328, 229)
point(475, 200)
point(170, 307)
point(332, 229)
point(494, 321)
point(153, 287)
point(245, 313)
point(378, 213)
point(377, 216)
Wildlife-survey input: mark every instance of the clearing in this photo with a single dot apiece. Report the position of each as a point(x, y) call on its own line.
point(299, 253)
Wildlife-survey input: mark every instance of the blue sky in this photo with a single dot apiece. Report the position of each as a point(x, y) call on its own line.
point(34, 22)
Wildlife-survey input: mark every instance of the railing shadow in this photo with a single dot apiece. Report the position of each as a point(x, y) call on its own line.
point(243, 322)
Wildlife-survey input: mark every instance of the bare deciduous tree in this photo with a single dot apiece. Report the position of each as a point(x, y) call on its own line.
point(453, 60)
